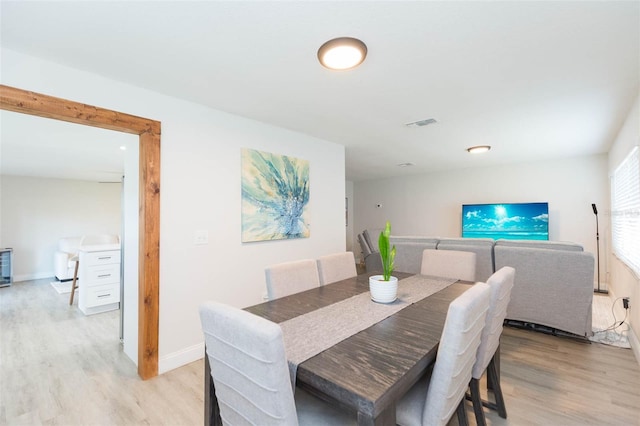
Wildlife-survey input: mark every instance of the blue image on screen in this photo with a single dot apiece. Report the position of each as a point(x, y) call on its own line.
point(513, 221)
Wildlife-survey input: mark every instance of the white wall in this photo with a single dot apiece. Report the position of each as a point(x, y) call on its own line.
point(431, 204)
point(200, 190)
point(37, 212)
point(351, 244)
point(624, 283)
point(130, 235)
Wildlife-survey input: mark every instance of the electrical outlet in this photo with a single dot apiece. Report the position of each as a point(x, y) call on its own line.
point(625, 302)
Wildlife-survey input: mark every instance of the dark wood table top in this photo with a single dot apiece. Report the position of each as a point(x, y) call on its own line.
point(369, 371)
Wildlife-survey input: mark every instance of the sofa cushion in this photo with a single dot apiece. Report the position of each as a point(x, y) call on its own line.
point(554, 245)
point(414, 239)
point(487, 242)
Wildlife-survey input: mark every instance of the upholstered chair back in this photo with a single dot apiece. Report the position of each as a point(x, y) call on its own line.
point(501, 283)
point(288, 278)
point(248, 367)
point(251, 376)
point(456, 354)
point(336, 267)
point(449, 263)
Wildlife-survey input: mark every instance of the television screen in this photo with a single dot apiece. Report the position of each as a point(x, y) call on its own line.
point(515, 221)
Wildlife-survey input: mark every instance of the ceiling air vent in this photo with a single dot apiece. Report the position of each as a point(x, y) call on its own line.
point(421, 123)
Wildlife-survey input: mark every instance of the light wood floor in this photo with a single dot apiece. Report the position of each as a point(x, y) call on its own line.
point(59, 367)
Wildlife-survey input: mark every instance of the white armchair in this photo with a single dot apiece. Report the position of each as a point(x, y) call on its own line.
point(68, 248)
point(63, 265)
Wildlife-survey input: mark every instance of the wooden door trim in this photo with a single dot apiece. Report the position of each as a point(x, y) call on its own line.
point(18, 100)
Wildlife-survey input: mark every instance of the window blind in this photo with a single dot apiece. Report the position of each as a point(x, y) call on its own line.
point(625, 211)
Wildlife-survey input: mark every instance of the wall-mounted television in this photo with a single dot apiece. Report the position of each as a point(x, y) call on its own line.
point(512, 221)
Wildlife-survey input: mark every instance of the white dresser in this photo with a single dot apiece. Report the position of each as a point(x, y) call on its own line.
point(99, 284)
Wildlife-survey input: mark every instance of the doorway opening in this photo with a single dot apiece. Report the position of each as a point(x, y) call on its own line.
point(18, 100)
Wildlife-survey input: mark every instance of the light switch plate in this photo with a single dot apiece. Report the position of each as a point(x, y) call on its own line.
point(201, 237)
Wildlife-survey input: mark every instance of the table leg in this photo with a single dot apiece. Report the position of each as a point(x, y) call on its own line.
point(496, 360)
point(73, 283)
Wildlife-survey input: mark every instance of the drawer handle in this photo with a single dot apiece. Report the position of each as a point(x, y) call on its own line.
point(104, 258)
point(104, 275)
point(104, 295)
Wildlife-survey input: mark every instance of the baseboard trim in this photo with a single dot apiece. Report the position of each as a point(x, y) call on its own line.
point(31, 277)
point(180, 358)
point(635, 344)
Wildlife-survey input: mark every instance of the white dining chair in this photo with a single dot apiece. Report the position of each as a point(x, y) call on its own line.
point(487, 358)
point(288, 278)
point(449, 263)
point(435, 397)
point(336, 267)
point(250, 373)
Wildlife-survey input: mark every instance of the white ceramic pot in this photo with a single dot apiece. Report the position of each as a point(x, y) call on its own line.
point(383, 291)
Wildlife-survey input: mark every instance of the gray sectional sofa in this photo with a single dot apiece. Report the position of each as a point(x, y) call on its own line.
point(409, 252)
point(553, 282)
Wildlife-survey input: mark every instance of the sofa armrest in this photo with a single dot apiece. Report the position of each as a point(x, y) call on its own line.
point(364, 246)
point(371, 237)
point(61, 267)
point(373, 262)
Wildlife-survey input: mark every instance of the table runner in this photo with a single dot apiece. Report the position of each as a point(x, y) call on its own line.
point(307, 335)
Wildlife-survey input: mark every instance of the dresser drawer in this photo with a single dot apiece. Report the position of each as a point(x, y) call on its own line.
point(103, 274)
point(102, 295)
point(102, 257)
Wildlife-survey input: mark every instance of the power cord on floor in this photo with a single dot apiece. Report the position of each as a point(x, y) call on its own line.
point(615, 324)
point(618, 337)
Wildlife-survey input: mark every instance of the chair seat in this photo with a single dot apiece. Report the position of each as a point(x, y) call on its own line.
point(313, 411)
point(409, 409)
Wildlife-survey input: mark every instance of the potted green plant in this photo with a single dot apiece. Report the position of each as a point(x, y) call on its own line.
point(384, 288)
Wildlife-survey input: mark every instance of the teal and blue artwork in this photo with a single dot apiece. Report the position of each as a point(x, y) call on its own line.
point(275, 196)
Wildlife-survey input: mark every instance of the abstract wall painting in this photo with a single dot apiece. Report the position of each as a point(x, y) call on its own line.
point(275, 196)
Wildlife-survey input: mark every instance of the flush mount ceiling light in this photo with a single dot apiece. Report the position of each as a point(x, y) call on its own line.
point(342, 53)
point(406, 164)
point(478, 149)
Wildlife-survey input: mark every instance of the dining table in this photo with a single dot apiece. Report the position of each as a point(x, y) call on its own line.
point(367, 372)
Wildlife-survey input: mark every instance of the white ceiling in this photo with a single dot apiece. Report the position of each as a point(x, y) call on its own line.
point(35, 146)
point(535, 80)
